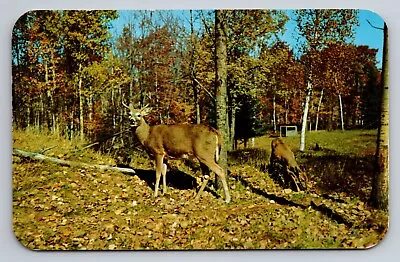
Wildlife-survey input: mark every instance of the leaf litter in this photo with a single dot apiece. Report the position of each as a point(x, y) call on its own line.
point(59, 208)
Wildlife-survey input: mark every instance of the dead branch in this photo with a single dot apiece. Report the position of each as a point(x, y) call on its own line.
point(62, 162)
point(85, 147)
point(205, 89)
point(46, 149)
point(373, 26)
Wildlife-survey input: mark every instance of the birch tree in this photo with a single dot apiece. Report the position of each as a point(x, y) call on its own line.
point(317, 28)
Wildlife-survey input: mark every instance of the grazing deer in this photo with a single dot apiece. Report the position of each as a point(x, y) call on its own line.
point(281, 154)
point(179, 141)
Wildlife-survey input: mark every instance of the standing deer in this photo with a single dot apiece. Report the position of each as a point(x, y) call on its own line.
point(179, 141)
point(281, 154)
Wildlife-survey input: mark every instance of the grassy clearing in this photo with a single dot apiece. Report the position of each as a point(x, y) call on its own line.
point(57, 208)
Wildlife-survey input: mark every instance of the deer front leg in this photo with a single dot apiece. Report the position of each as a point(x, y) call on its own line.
point(203, 185)
point(206, 174)
point(294, 179)
point(159, 170)
point(164, 174)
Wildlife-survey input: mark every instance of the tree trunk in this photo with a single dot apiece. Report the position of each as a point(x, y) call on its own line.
point(53, 70)
point(81, 101)
point(118, 111)
point(341, 112)
point(305, 113)
point(318, 108)
point(42, 112)
point(286, 112)
point(310, 110)
point(197, 103)
point(48, 114)
point(71, 122)
point(221, 86)
point(90, 107)
point(113, 112)
point(53, 109)
point(274, 113)
point(28, 115)
point(380, 185)
point(232, 129)
point(81, 133)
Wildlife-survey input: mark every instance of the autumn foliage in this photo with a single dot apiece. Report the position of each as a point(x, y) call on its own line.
point(71, 76)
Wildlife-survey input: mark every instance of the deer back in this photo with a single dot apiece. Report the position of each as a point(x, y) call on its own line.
point(182, 140)
point(178, 140)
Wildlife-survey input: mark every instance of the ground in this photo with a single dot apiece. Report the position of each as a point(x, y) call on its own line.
point(57, 207)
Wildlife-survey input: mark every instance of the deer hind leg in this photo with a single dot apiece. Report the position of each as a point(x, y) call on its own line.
point(219, 172)
point(159, 170)
point(164, 174)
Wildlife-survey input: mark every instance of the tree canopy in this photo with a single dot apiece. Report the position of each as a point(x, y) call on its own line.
point(72, 70)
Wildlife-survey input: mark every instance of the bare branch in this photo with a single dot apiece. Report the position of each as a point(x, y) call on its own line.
point(85, 147)
point(46, 149)
point(207, 28)
point(208, 92)
point(379, 28)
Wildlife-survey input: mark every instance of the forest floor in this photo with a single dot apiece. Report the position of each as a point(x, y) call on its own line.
point(70, 208)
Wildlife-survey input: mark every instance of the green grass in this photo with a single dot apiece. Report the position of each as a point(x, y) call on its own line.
point(57, 208)
point(341, 142)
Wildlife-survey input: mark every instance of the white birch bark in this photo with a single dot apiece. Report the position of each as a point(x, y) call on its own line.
point(305, 113)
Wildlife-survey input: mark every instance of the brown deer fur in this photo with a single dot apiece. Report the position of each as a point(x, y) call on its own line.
point(178, 141)
point(281, 153)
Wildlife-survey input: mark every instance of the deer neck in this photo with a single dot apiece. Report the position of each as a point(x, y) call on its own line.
point(142, 131)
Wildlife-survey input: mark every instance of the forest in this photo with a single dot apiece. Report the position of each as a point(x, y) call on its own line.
point(70, 73)
point(73, 71)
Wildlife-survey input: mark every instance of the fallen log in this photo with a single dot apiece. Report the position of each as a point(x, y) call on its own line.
point(38, 156)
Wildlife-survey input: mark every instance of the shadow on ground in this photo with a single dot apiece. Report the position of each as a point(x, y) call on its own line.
point(175, 178)
point(283, 201)
point(330, 171)
point(335, 173)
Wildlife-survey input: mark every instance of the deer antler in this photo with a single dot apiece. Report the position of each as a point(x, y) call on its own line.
point(146, 110)
point(125, 105)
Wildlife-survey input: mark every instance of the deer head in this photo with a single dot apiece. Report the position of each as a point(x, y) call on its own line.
point(136, 115)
